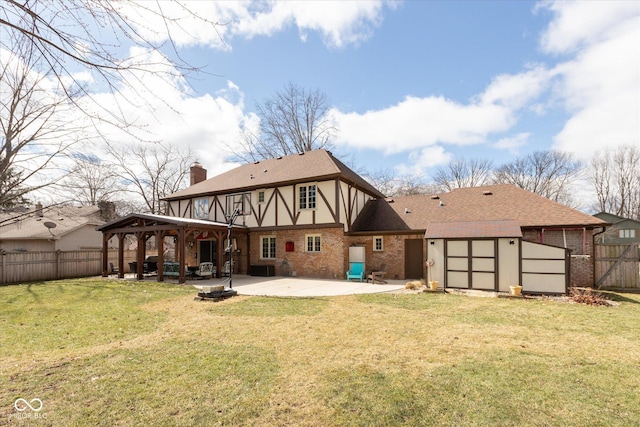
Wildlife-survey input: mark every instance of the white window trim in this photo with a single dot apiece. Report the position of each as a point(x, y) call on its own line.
point(306, 187)
point(262, 238)
point(264, 195)
point(306, 243)
point(375, 249)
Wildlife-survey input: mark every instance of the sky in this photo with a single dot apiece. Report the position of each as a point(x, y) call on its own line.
point(412, 85)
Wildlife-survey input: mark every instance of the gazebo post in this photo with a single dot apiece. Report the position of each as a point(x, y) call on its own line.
point(121, 237)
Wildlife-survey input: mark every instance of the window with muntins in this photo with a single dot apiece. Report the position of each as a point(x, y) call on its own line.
point(268, 247)
point(307, 197)
point(314, 242)
point(628, 234)
point(377, 244)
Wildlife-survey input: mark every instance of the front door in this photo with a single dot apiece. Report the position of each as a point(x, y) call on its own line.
point(208, 251)
point(413, 259)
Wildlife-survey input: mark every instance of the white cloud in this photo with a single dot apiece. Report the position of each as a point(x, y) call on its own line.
point(425, 158)
point(600, 84)
point(579, 23)
point(419, 122)
point(512, 143)
point(338, 23)
point(164, 110)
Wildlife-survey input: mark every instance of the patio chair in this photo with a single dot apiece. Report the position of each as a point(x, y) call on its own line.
point(377, 275)
point(114, 270)
point(205, 269)
point(356, 271)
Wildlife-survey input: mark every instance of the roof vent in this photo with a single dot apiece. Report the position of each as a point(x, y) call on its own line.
point(256, 162)
point(251, 176)
point(389, 199)
point(435, 197)
point(487, 193)
point(301, 153)
point(441, 204)
point(406, 210)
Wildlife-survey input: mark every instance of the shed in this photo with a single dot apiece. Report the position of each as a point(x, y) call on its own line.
point(491, 255)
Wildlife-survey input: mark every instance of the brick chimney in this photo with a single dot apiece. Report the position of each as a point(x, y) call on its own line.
point(198, 173)
point(39, 210)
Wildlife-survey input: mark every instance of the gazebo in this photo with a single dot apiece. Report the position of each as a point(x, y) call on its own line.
point(144, 226)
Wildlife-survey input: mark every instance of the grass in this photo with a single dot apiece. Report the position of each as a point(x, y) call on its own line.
point(100, 352)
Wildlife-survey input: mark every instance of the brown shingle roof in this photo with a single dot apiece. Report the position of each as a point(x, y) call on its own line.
point(489, 203)
point(297, 168)
point(467, 229)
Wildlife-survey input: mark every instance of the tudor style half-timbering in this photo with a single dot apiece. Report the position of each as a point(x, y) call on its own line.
point(297, 209)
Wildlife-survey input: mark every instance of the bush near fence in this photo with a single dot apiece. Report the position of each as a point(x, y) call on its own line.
point(17, 267)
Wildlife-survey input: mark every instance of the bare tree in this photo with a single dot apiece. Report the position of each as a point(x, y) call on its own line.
point(91, 35)
point(152, 172)
point(615, 176)
point(390, 184)
point(549, 173)
point(90, 181)
point(49, 49)
point(293, 121)
point(463, 173)
point(35, 125)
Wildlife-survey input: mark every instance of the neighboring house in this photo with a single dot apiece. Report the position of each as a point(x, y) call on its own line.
point(65, 228)
point(622, 231)
point(300, 215)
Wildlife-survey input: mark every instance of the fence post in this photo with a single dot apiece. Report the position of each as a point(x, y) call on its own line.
point(57, 273)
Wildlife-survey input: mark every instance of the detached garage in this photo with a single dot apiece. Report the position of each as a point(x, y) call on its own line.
point(490, 255)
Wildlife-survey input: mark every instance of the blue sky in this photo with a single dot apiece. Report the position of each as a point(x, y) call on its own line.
point(412, 84)
point(415, 84)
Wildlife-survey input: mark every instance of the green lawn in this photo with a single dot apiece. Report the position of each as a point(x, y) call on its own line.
point(101, 352)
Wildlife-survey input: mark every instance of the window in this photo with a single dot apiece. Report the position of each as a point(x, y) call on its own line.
point(314, 242)
point(268, 244)
point(308, 197)
point(260, 196)
point(377, 244)
point(628, 234)
point(201, 208)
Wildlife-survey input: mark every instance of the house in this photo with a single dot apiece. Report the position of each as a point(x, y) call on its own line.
point(622, 231)
point(298, 212)
point(303, 214)
point(53, 228)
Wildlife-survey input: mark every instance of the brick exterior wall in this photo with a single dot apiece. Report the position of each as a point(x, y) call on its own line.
point(392, 254)
point(581, 246)
point(329, 263)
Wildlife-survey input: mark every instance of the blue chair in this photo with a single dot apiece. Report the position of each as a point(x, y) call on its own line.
point(356, 271)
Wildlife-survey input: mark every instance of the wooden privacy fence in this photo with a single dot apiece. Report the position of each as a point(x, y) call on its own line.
point(617, 266)
point(17, 267)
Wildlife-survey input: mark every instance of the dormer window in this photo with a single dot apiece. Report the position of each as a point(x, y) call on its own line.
point(307, 199)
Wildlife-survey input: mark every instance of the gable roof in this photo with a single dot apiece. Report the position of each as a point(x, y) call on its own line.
point(616, 220)
point(488, 203)
point(297, 168)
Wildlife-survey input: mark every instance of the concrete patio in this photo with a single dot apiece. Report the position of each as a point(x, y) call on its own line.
point(293, 286)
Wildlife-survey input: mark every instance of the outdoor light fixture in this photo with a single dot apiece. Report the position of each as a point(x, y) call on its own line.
point(432, 242)
point(512, 242)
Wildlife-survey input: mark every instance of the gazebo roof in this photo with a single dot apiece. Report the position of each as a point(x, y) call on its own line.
point(150, 222)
